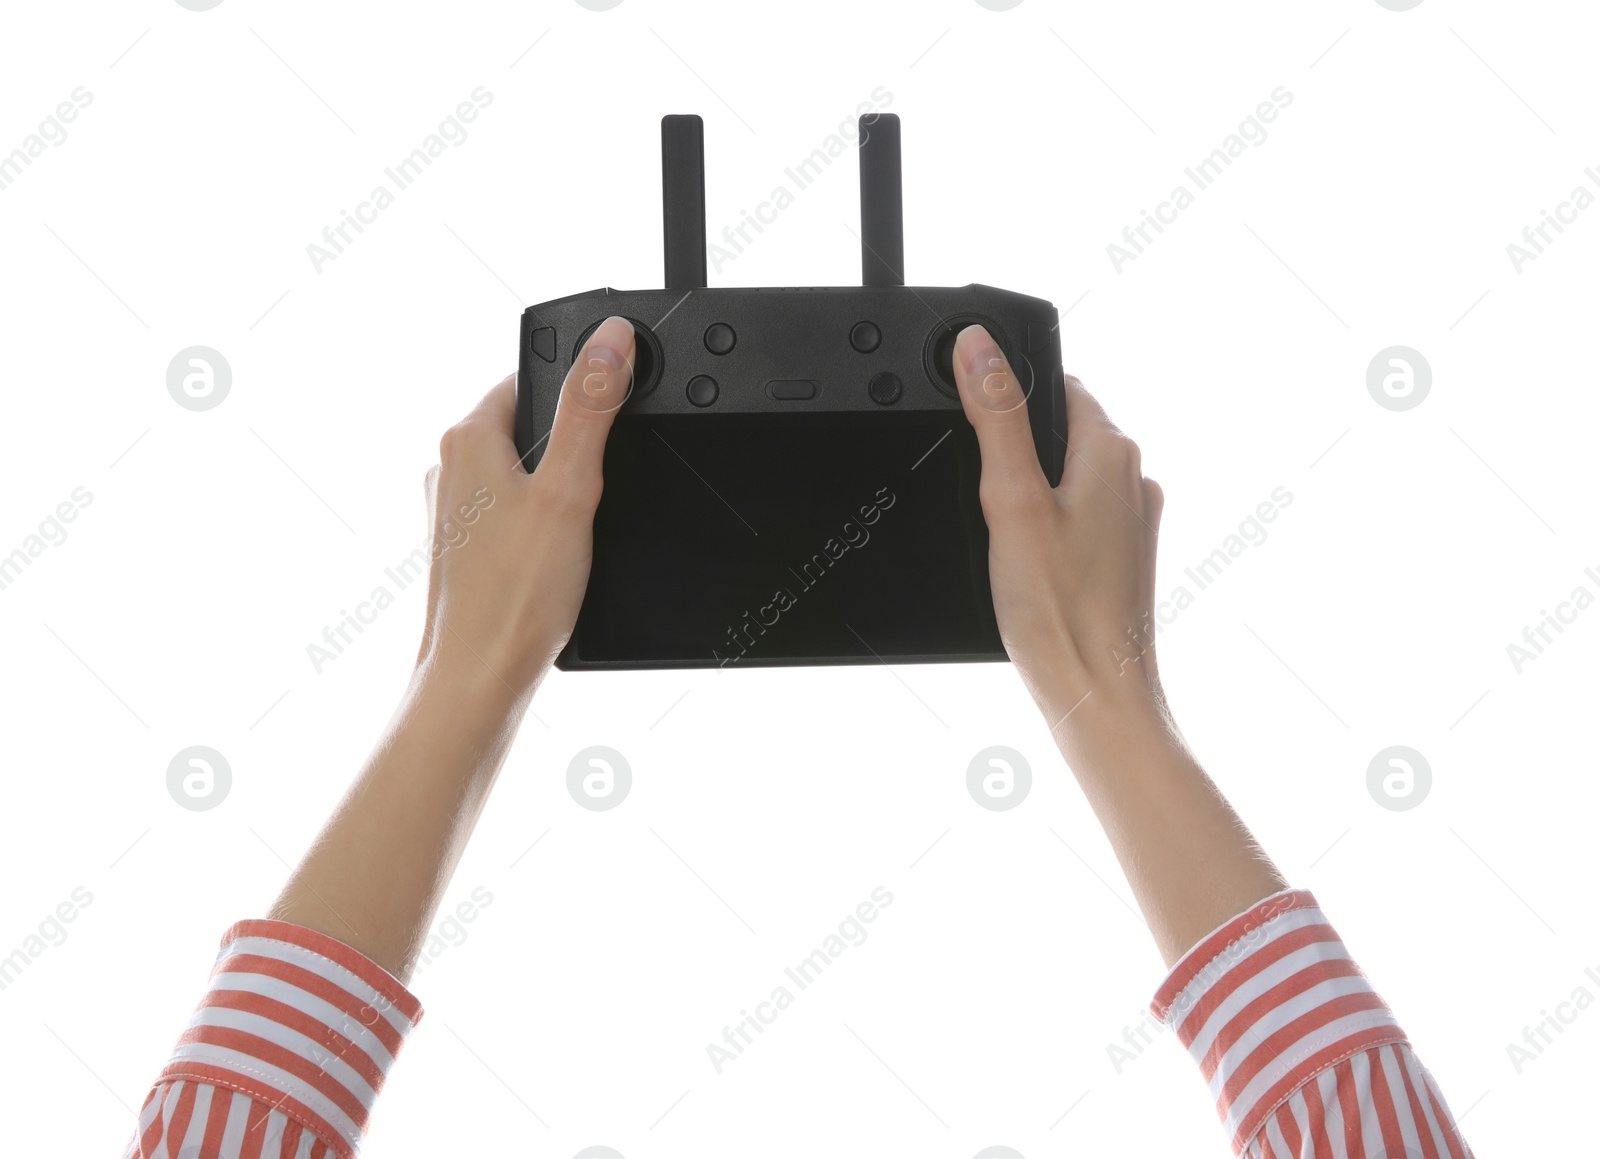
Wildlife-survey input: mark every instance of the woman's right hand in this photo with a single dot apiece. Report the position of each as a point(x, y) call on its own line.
point(1072, 567)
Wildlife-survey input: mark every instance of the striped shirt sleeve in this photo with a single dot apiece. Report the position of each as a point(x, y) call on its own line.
point(283, 1057)
point(1302, 1058)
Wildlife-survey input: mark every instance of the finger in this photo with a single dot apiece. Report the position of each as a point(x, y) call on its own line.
point(996, 407)
point(594, 388)
point(498, 408)
point(1086, 418)
point(430, 493)
point(430, 498)
point(487, 429)
point(1095, 443)
point(1154, 500)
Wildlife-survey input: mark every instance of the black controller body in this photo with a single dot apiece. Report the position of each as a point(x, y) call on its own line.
point(861, 349)
point(791, 479)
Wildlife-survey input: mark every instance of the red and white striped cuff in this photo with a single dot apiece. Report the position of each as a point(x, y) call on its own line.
point(300, 1022)
point(1268, 1002)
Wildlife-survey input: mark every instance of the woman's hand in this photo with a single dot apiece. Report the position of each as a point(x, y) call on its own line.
point(1072, 567)
point(512, 550)
point(1073, 570)
point(510, 564)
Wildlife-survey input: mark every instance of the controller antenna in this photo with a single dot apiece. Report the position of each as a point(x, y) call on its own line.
point(683, 201)
point(883, 260)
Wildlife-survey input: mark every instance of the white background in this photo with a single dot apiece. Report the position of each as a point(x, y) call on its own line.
point(1378, 611)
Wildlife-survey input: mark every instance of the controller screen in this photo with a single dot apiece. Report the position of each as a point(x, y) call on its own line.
point(761, 539)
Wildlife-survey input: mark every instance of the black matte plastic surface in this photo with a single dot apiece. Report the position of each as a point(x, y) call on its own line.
point(791, 479)
point(883, 246)
point(706, 508)
point(683, 200)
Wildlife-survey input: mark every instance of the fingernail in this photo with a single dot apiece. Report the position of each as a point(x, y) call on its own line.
point(610, 343)
point(977, 351)
point(607, 363)
point(986, 368)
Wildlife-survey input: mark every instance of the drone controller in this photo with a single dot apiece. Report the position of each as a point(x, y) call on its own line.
point(791, 479)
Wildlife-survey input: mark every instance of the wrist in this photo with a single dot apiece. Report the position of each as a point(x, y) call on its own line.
point(488, 686)
point(1092, 713)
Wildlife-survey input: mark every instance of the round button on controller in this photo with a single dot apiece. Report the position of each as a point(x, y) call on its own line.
point(702, 390)
point(884, 388)
point(720, 338)
point(864, 336)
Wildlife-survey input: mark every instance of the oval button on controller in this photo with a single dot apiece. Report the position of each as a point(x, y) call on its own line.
point(791, 388)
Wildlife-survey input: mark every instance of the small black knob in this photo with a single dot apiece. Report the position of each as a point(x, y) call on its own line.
point(702, 390)
point(864, 336)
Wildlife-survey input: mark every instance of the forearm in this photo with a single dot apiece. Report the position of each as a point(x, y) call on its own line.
point(1188, 857)
point(307, 1010)
point(1299, 1051)
point(375, 874)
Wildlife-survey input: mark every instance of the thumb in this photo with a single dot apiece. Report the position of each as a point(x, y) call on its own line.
point(996, 407)
point(596, 386)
